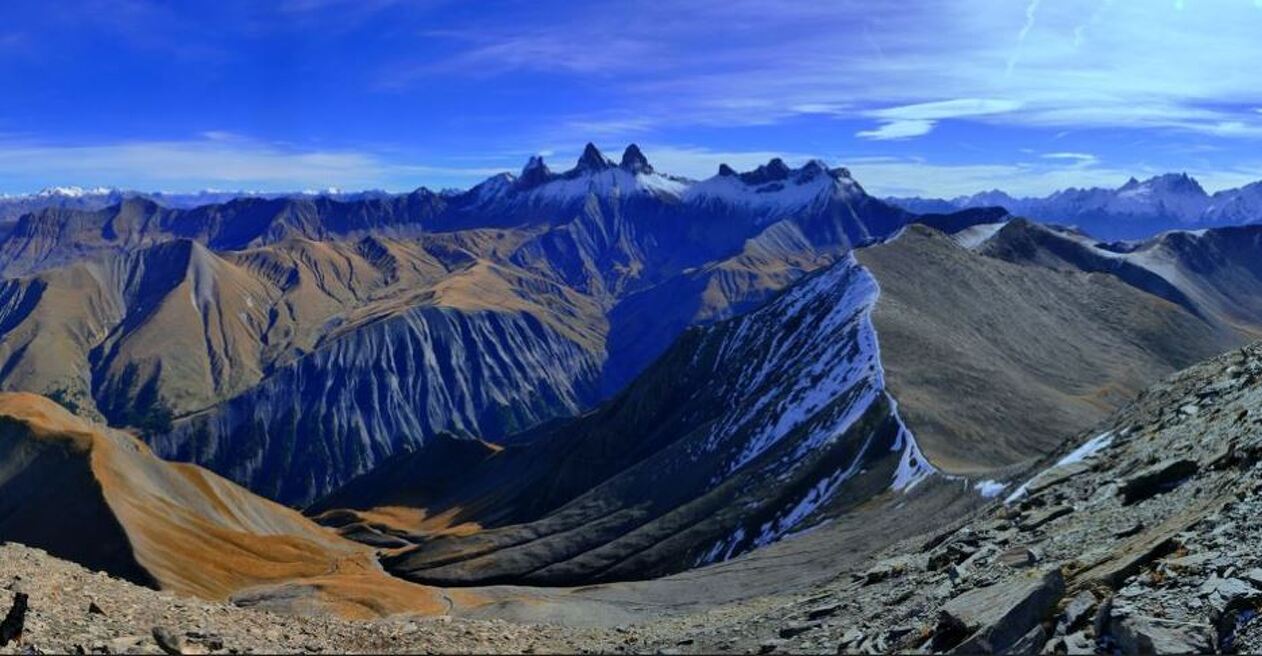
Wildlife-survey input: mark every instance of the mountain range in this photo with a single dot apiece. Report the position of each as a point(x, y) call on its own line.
point(378, 323)
point(1135, 210)
point(12, 207)
point(575, 395)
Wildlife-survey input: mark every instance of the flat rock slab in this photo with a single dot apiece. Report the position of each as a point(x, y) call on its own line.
point(1147, 635)
point(995, 618)
point(1156, 479)
point(1140, 550)
point(1042, 517)
point(1055, 476)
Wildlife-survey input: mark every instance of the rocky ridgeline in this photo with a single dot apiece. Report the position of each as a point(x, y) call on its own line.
point(1141, 539)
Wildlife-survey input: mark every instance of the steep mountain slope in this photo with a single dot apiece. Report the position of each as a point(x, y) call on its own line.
point(995, 362)
point(677, 470)
point(1213, 273)
point(1137, 536)
point(173, 328)
point(101, 498)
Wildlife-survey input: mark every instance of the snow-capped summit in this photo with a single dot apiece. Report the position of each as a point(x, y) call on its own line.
point(75, 192)
point(775, 189)
point(593, 174)
point(1135, 210)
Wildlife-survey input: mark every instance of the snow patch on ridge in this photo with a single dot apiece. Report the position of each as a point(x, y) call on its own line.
point(774, 199)
point(833, 330)
point(1086, 450)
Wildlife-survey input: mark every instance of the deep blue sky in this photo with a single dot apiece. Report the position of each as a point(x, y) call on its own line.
point(933, 96)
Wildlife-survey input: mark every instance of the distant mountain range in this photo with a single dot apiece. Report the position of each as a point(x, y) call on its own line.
point(1136, 210)
point(95, 198)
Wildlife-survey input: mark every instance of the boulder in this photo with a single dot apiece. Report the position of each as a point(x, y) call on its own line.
point(1136, 634)
point(1076, 611)
point(995, 618)
point(1055, 476)
point(890, 568)
point(1018, 557)
point(1156, 479)
point(1040, 518)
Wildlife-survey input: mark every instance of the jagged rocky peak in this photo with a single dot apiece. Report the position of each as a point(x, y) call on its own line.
point(593, 160)
point(534, 173)
point(812, 170)
point(777, 171)
point(773, 171)
point(633, 160)
point(1180, 183)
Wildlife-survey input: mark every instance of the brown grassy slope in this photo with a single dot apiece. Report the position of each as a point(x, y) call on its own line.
point(188, 327)
point(107, 501)
point(994, 363)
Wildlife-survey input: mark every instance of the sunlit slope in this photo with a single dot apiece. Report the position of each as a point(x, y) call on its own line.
point(101, 498)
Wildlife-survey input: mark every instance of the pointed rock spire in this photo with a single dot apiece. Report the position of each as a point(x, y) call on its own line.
point(593, 160)
point(725, 170)
point(534, 173)
point(634, 161)
point(812, 170)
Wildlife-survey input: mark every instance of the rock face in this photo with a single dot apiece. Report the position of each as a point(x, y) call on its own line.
point(384, 389)
point(994, 619)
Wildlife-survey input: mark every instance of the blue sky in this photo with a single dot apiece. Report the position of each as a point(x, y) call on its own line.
point(923, 97)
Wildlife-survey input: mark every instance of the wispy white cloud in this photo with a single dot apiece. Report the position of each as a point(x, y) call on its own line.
point(1031, 10)
point(920, 118)
point(1080, 158)
point(1075, 63)
point(215, 159)
point(900, 129)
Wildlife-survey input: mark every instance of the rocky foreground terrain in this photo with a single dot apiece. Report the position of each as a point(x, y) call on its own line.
point(74, 610)
point(1138, 537)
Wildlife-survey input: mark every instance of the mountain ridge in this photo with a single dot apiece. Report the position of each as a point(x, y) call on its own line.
point(1135, 210)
